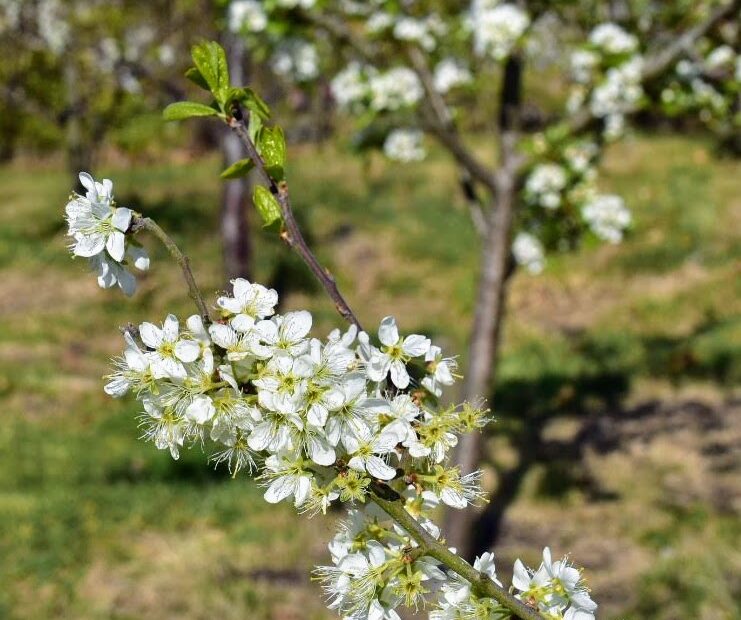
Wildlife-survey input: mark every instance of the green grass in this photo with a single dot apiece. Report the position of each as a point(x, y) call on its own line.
point(95, 524)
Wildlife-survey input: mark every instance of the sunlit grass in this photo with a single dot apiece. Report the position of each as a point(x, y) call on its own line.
point(93, 523)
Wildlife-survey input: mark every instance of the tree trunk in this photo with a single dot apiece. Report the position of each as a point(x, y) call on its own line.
point(78, 147)
point(234, 224)
point(491, 296)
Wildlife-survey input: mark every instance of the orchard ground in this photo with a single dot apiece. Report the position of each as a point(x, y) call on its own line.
point(623, 358)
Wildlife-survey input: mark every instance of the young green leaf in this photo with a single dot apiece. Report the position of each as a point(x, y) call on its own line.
point(272, 147)
point(210, 60)
point(238, 169)
point(267, 206)
point(194, 75)
point(187, 109)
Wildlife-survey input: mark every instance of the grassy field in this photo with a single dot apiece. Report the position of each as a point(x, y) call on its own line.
point(625, 358)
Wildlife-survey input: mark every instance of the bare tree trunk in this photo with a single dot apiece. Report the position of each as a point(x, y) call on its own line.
point(235, 234)
point(79, 149)
point(491, 295)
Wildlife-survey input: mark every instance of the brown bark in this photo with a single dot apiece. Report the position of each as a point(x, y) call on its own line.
point(491, 294)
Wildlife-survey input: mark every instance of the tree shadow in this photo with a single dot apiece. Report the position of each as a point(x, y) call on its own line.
point(594, 395)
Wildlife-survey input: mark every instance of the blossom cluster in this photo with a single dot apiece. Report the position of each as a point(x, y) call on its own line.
point(708, 85)
point(359, 88)
point(556, 589)
point(496, 27)
point(98, 228)
point(607, 74)
point(562, 191)
point(405, 145)
point(296, 59)
point(321, 421)
point(376, 568)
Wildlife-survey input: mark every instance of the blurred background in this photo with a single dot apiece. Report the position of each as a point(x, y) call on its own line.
point(618, 433)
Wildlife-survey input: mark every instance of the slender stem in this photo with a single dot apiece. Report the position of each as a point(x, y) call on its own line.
point(148, 224)
point(291, 232)
point(480, 582)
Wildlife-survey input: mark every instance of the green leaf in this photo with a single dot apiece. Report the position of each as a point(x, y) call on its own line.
point(272, 147)
point(210, 60)
point(267, 206)
point(247, 98)
point(195, 76)
point(238, 169)
point(255, 128)
point(187, 109)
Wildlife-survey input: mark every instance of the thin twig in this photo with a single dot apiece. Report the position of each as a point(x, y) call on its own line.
point(148, 224)
point(291, 232)
point(481, 583)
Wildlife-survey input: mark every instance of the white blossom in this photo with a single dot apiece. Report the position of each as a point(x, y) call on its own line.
point(607, 216)
point(496, 29)
point(394, 89)
point(528, 252)
point(405, 145)
point(247, 15)
point(449, 74)
point(612, 39)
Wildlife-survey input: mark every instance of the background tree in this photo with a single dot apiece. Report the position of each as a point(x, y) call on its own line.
point(410, 69)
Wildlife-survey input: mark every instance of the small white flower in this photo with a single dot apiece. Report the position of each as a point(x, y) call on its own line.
point(247, 15)
point(528, 252)
point(286, 333)
point(607, 216)
point(449, 74)
point(440, 370)
point(405, 145)
point(169, 349)
point(365, 454)
point(287, 478)
point(394, 89)
point(250, 303)
point(612, 39)
point(497, 29)
point(394, 354)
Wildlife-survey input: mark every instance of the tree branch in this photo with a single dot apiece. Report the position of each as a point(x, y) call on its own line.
point(659, 61)
point(148, 224)
point(291, 233)
point(481, 584)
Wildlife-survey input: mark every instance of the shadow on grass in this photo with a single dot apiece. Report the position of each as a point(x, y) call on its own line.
point(593, 391)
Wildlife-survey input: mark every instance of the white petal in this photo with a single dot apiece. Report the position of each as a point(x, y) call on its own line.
point(388, 333)
point(139, 257)
point(399, 374)
point(242, 288)
point(201, 410)
point(453, 498)
point(378, 469)
point(151, 335)
point(321, 452)
point(242, 322)
point(87, 181)
point(89, 245)
point(223, 335)
point(317, 415)
point(170, 328)
point(187, 350)
point(295, 325)
point(126, 281)
point(415, 345)
point(301, 490)
point(279, 489)
point(116, 245)
point(121, 218)
point(117, 387)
